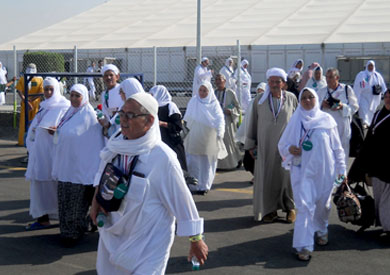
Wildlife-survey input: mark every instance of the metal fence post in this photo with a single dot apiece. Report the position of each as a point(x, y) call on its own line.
point(15, 74)
point(239, 71)
point(75, 57)
point(154, 66)
point(199, 33)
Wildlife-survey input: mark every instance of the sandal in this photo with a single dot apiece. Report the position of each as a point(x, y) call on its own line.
point(38, 226)
point(304, 255)
point(322, 240)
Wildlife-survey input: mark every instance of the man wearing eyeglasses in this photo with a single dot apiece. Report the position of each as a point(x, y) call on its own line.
point(339, 100)
point(138, 237)
point(270, 114)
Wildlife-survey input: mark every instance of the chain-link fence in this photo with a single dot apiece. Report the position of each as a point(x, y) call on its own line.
point(171, 67)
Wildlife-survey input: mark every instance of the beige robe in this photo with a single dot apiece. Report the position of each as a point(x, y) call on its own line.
point(228, 100)
point(272, 188)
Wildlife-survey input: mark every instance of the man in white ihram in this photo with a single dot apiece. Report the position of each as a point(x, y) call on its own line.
point(137, 238)
point(201, 74)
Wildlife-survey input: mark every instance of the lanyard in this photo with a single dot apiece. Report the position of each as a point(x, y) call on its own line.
point(106, 97)
point(229, 69)
point(306, 134)
point(331, 93)
point(272, 105)
point(41, 116)
point(379, 123)
point(66, 118)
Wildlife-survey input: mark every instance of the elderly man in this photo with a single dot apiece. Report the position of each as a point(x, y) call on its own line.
point(201, 74)
point(111, 99)
point(368, 87)
point(228, 71)
point(270, 114)
point(340, 102)
point(137, 238)
point(231, 109)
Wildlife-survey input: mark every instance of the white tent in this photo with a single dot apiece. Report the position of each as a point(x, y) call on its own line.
point(172, 23)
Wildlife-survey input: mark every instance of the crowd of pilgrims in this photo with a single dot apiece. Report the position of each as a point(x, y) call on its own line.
point(293, 136)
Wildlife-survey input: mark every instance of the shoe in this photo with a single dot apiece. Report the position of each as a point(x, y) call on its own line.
point(322, 240)
point(291, 216)
point(304, 255)
point(271, 217)
point(38, 226)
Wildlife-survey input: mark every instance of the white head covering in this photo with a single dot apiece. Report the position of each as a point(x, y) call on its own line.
point(83, 91)
point(56, 100)
point(311, 119)
point(31, 68)
point(261, 85)
point(204, 58)
point(206, 110)
point(372, 62)
point(244, 62)
point(131, 86)
point(272, 72)
point(110, 67)
point(161, 94)
point(227, 62)
point(148, 102)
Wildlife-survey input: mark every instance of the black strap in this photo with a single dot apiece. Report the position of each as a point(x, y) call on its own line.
point(346, 93)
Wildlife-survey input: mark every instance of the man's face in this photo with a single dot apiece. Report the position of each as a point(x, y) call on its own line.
point(135, 127)
point(100, 64)
point(332, 80)
point(205, 63)
point(220, 82)
point(110, 79)
point(276, 84)
point(370, 67)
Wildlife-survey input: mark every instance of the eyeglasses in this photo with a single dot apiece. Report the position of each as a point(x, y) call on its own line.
point(129, 115)
point(307, 97)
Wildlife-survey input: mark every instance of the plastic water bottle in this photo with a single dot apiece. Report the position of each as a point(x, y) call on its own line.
point(101, 219)
point(195, 263)
point(337, 182)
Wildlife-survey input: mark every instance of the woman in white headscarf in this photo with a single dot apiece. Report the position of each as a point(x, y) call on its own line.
point(317, 81)
point(43, 190)
point(296, 67)
point(246, 83)
point(204, 142)
point(228, 71)
point(78, 140)
point(368, 87)
point(171, 124)
point(311, 149)
point(127, 88)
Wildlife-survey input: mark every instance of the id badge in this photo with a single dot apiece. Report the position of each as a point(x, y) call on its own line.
point(296, 161)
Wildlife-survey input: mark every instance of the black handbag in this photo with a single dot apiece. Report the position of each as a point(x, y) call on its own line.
point(113, 186)
point(376, 89)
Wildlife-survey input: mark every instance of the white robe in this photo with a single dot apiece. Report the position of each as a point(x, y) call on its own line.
point(245, 93)
point(114, 102)
point(312, 185)
point(368, 102)
point(201, 74)
point(3, 73)
point(79, 141)
point(316, 85)
point(91, 84)
point(137, 239)
point(342, 117)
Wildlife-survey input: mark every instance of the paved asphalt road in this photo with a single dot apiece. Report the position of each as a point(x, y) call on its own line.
point(237, 244)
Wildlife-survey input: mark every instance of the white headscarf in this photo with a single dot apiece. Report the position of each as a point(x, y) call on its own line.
point(110, 67)
point(131, 86)
point(83, 91)
point(262, 85)
point(312, 119)
point(31, 68)
point(161, 94)
point(272, 72)
point(227, 62)
point(206, 110)
point(243, 63)
point(56, 100)
point(204, 59)
point(373, 70)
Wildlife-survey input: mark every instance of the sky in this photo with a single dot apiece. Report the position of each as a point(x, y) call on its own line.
point(21, 17)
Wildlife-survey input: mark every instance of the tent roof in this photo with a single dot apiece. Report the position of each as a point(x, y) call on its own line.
point(171, 23)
